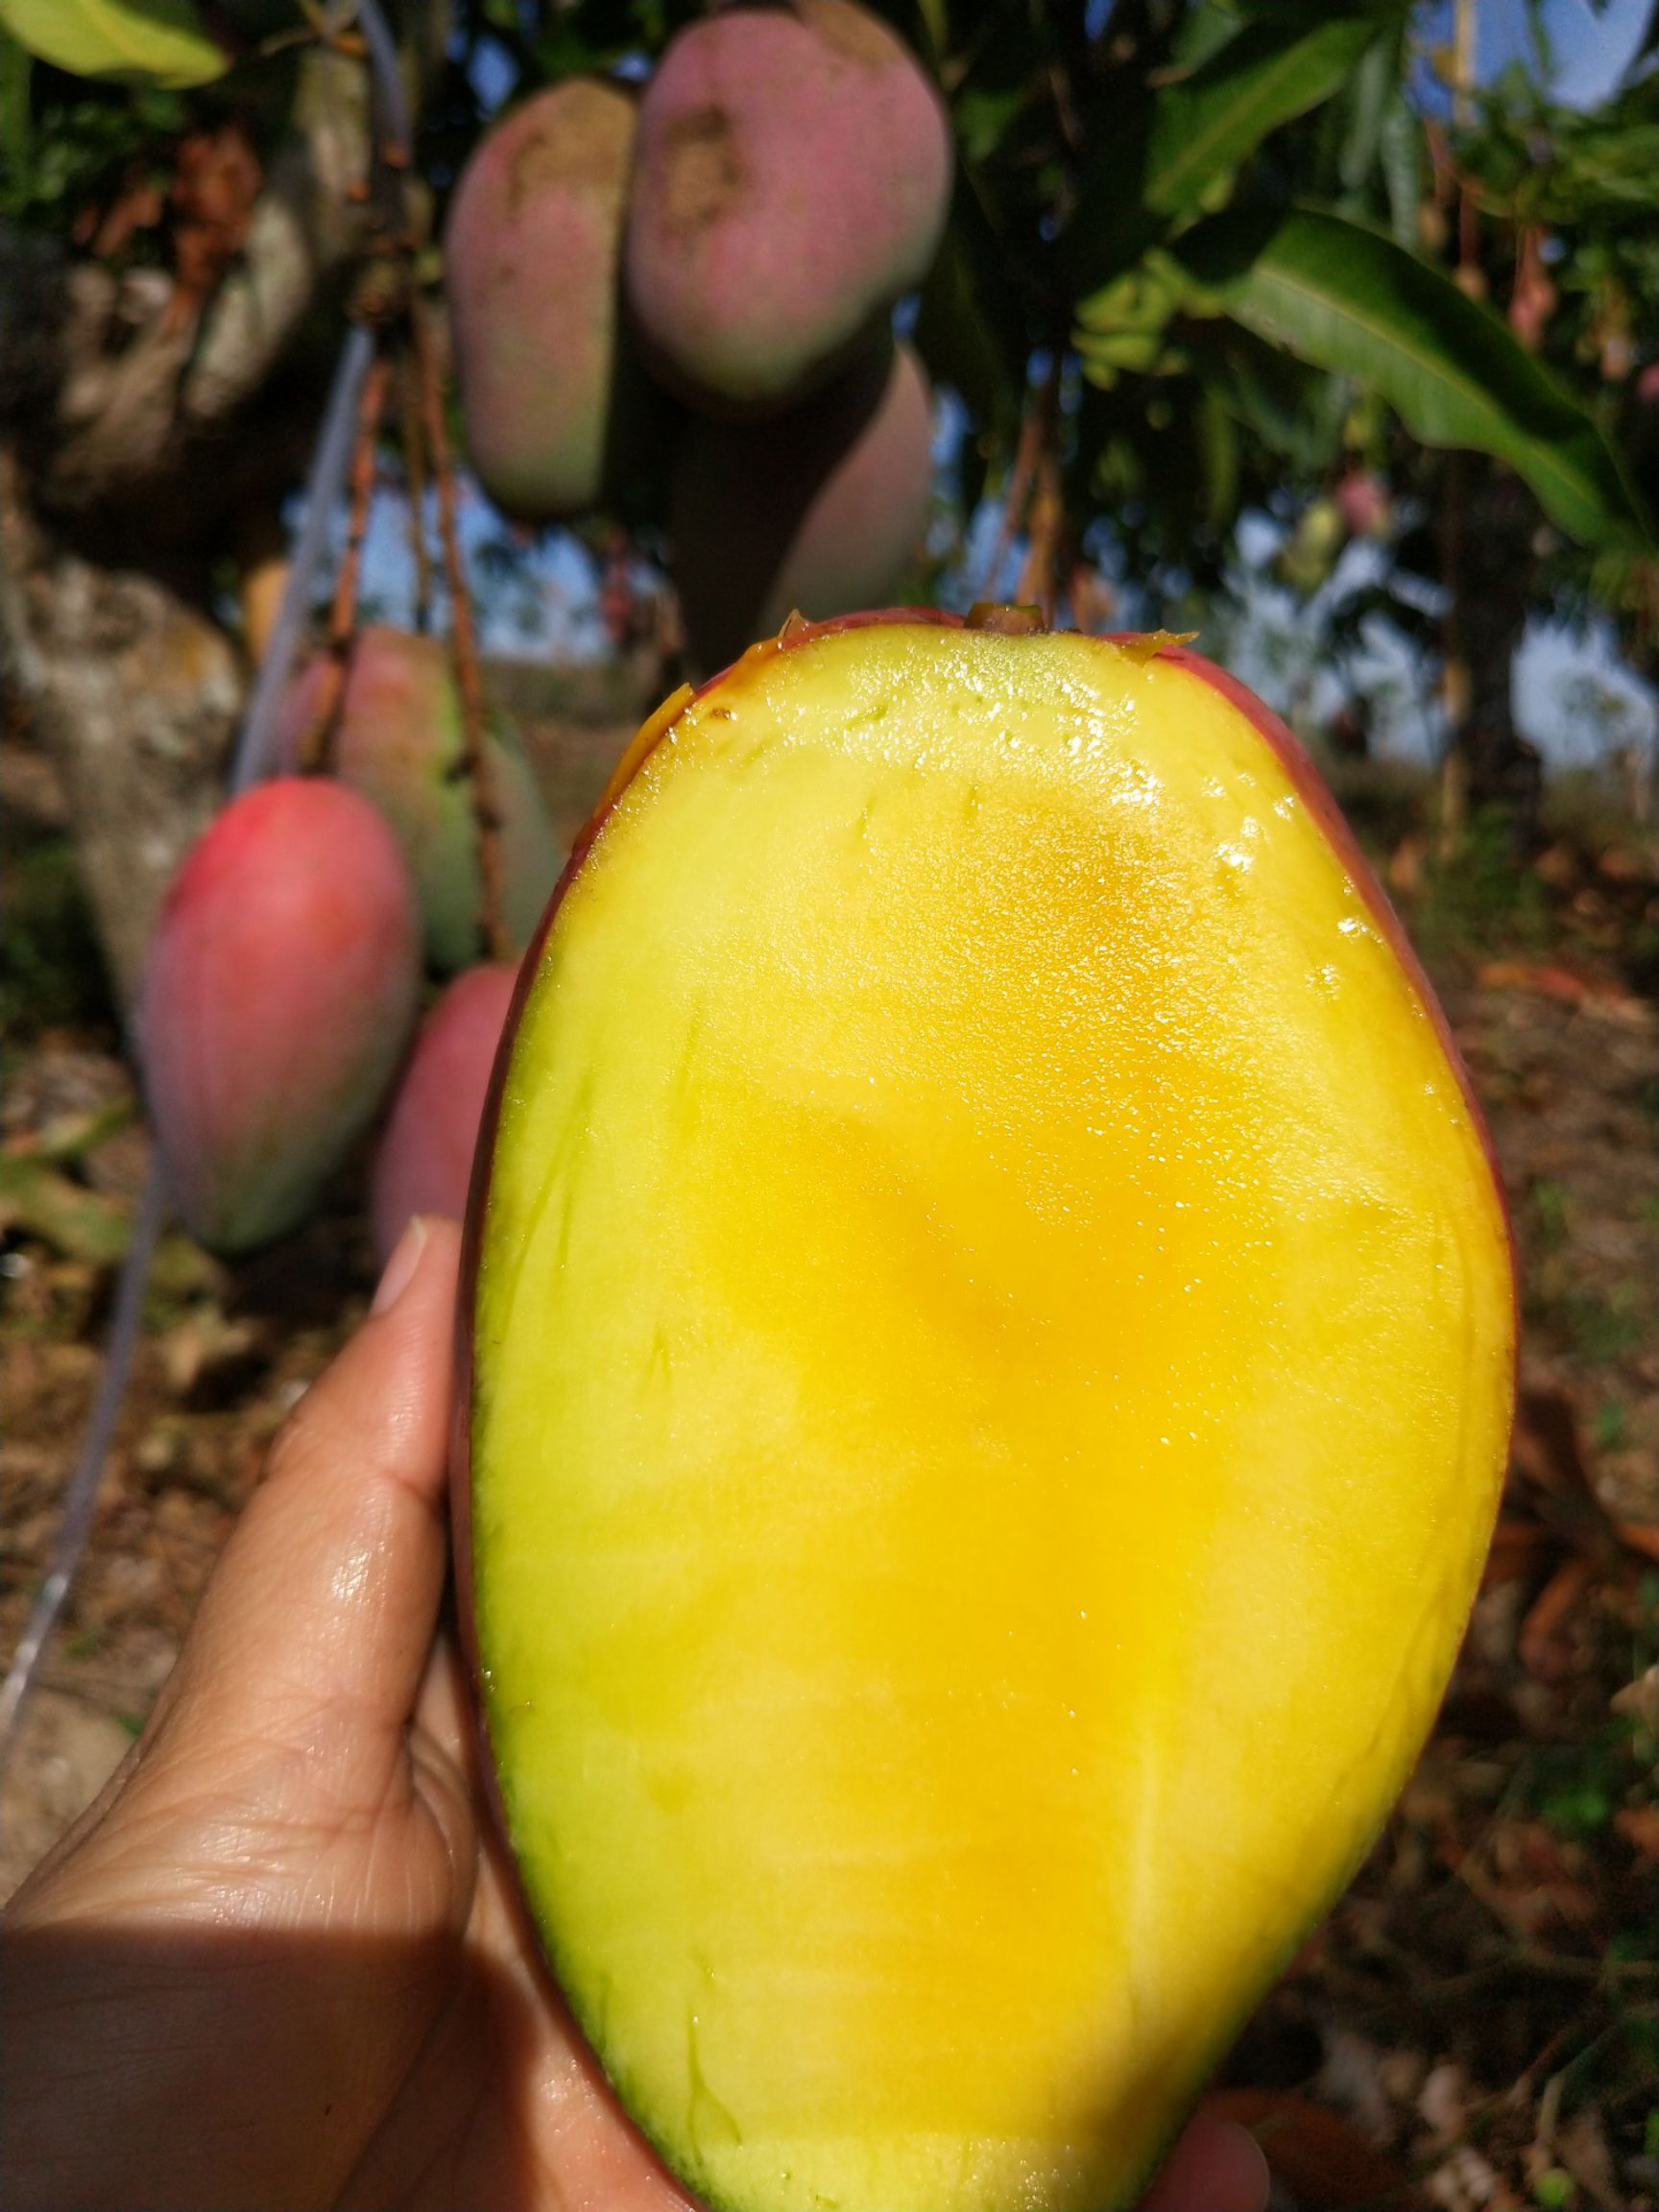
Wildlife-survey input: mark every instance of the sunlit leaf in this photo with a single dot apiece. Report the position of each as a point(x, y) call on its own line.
point(1348, 299)
point(139, 41)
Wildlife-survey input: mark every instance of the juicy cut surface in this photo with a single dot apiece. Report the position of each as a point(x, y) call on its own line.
point(992, 1345)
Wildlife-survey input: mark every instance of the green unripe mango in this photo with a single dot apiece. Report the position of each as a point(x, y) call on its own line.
point(398, 739)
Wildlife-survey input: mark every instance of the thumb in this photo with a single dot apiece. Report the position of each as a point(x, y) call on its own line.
point(305, 1656)
point(315, 1628)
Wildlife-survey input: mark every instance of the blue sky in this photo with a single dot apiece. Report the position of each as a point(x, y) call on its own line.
point(1591, 48)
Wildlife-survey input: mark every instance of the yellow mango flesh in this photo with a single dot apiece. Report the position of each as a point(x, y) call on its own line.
point(992, 1342)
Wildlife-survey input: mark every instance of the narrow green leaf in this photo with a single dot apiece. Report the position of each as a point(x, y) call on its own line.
point(1402, 169)
point(15, 131)
point(139, 41)
point(1206, 124)
point(956, 336)
point(1348, 299)
point(936, 23)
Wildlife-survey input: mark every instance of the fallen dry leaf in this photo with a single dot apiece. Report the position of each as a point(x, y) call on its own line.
point(1547, 1445)
point(1602, 995)
point(1642, 1536)
point(1639, 1825)
point(1544, 1643)
point(1520, 1549)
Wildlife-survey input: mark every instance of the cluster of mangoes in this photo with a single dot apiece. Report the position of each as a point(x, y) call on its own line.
point(732, 238)
point(281, 1006)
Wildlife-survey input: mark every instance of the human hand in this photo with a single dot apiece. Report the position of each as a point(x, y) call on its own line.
point(279, 1963)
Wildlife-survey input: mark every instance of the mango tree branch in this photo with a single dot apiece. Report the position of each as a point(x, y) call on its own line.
point(316, 744)
point(475, 763)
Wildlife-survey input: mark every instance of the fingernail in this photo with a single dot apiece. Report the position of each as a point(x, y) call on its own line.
point(400, 1268)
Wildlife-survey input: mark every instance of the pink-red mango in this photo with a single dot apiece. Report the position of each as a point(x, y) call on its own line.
point(424, 1161)
point(819, 508)
point(791, 180)
point(531, 255)
point(279, 998)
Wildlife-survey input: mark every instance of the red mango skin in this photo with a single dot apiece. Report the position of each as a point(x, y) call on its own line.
point(819, 508)
point(279, 998)
point(791, 180)
point(423, 1164)
point(532, 251)
point(1309, 787)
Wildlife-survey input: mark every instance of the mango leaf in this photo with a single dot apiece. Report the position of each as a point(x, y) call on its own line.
point(1203, 126)
point(957, 338)
point(139, 41)
point(1346, 297)
point(1173, 157)
point(16, 132)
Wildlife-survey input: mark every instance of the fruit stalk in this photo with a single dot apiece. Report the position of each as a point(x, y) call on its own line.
point(316, 746)
point(415, 488)
point(1036, 442)
point(475, 762)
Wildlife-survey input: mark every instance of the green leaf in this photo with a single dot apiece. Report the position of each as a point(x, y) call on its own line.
point(1347, 299)
point(936, 24)
point(16, 132)
point(1205, 125)
point(41, 1201)
point(984, 117)
point(1400, 153)
point(957, 338)
point(1153, 164)
point(139, 41)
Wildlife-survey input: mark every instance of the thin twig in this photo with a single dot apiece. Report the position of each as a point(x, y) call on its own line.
point(343, 615)
point(414, 487)
point(80, 1498)
point(316, 748)
point(395, 136)
point(1037, 434)
point(328, 469)
point(1037, 586)
point(1015, 497)
point(475, 763)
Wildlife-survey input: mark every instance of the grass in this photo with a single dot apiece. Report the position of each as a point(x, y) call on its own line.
point(51, 971)
point(1478, 900)
point(1603, 1328)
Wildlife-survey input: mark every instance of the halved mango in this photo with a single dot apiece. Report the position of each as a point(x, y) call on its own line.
point(992, 1335)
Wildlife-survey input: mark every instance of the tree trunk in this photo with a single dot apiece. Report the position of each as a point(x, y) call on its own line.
point(145, 431)
point(1490, 565)
point(134, 694)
